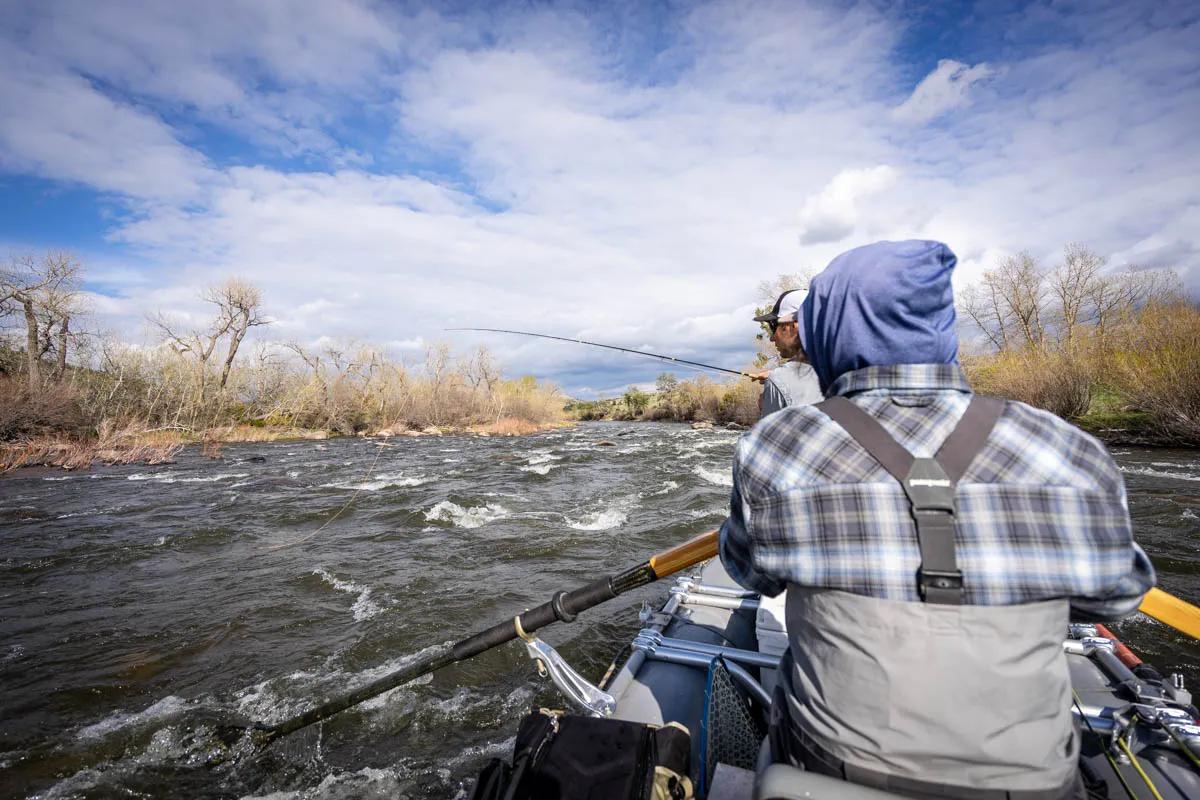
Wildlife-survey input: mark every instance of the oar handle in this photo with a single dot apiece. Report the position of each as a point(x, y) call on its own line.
point(690, 553)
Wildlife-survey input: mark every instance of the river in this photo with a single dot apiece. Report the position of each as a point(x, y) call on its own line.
point(136, 601)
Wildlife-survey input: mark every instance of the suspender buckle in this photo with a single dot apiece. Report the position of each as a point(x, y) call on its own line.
point(940, 586)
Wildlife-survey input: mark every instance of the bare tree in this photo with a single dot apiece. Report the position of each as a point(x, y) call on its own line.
point(238, 309)
point(239, 302)
point(1023, 292)
point(45, 292)
point(983, 303)
point(769, 291)
point(1073, 283)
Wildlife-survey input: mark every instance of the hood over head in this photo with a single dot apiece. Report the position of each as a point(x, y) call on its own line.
point(883, 303)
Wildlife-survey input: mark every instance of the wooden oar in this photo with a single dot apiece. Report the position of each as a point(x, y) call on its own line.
point(563, 606)
point(1170, 610)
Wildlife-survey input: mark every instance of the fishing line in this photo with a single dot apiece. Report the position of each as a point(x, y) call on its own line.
point(671, 359)
point(357, 491)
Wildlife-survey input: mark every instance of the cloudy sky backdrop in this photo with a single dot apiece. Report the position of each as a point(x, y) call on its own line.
point(627, 172)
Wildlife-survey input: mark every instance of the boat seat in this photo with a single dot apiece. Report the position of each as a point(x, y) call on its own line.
point(785, 782)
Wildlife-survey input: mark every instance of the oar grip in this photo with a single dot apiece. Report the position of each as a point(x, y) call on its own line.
point(691, 552)
point(564, 607)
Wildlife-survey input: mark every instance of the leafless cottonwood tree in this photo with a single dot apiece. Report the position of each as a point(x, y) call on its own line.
point(1019, 304)
point(238, 305)
point(46, 293)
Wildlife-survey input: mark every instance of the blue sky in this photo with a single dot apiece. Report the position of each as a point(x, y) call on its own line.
point(626, 172)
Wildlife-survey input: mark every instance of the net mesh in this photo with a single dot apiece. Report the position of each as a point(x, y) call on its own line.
point(734, 731)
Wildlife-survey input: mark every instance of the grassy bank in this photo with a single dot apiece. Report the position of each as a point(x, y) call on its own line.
point(1136, 383)
point(144, 404)
point(695, 400)
point(145, 446)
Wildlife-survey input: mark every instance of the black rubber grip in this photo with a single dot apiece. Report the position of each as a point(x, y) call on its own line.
point(585, 597)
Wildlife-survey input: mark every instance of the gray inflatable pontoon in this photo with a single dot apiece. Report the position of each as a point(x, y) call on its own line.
point(699, 661)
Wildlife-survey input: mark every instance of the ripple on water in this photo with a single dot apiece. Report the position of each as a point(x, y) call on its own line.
point(364, 607)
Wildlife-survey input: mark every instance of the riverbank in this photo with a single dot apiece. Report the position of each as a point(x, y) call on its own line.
point(154, 447)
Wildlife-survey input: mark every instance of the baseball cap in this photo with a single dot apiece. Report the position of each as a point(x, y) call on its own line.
point(785, 307)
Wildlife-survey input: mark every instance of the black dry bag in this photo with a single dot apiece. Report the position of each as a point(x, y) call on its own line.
point(584, 758)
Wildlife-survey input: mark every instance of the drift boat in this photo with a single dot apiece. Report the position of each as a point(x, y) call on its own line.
point(707, 660)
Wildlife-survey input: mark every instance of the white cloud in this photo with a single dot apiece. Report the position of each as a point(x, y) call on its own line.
point(946, 88)
point(833, 213)
point(57, 125)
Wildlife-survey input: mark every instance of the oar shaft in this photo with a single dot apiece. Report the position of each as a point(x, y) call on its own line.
point(431, 662)
point(564, 606)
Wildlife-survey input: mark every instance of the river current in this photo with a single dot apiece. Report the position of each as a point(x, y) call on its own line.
point(137, 603)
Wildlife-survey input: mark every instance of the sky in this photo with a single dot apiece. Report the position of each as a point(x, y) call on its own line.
point(622, 172)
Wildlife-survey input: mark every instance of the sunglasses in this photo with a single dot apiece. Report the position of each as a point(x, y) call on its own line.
point(776, 324)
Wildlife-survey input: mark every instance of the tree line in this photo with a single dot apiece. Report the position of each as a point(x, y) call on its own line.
point(1116, 350)
point(68, 389)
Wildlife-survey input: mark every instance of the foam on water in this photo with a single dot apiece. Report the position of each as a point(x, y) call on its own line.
point(1155, 473)
point(473, 517)
point(169, 478)
point(382, 481)
point(539, 469)
point(668, 486)
point(364, 608)
point(1189, 514)
point(369, 783)
point(602, 519)
point(598, 520)
point(169, 706)
point(720, 477)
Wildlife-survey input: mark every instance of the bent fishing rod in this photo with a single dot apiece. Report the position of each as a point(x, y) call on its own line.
point(672, 359)
point(562, 607)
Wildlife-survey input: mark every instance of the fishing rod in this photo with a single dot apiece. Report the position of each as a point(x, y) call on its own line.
point(749, 375)
point(563, 606)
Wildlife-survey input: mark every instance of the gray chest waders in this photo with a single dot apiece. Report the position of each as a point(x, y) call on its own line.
point(928, 483)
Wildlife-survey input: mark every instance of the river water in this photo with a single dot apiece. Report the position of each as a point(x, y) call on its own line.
point(138, 603)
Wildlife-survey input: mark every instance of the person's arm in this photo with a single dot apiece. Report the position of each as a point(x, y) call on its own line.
point(1124, 598)
point(737, 547)
point(1125, 595)
point(772, 398)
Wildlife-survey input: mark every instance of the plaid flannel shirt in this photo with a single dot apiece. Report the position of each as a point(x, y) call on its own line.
point(1041, 511)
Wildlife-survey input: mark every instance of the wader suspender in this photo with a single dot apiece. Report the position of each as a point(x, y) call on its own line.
point(928, 483)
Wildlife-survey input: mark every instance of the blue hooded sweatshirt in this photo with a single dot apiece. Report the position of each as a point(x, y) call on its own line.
point(884, 303)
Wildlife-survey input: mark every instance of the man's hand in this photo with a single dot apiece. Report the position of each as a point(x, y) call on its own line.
point(761, 377)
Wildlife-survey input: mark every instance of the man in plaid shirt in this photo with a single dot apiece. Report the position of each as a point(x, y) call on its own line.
point(883, 685)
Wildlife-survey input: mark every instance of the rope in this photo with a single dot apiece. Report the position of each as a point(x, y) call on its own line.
point(1111, 761)
point(1138, 766)
point(338, 513)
